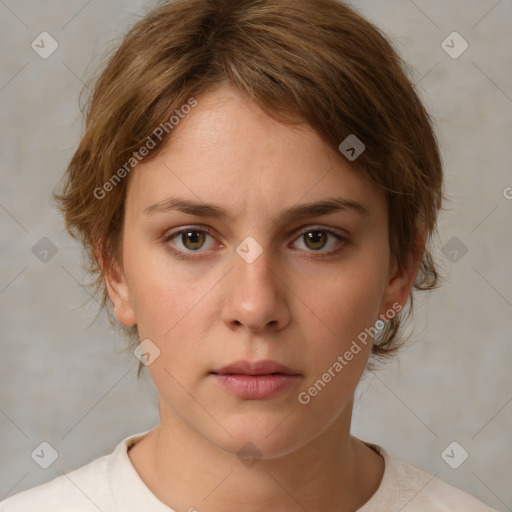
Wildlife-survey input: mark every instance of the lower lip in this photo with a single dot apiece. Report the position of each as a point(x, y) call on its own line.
point(255, 387)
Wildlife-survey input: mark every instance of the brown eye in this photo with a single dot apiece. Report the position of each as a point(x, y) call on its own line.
point(189, 240)
point(315, 240)
point(193, 240)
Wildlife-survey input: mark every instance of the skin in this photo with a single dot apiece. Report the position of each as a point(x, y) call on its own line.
point(289, 305)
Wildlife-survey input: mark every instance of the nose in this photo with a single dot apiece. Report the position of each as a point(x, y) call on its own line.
point(256, 295)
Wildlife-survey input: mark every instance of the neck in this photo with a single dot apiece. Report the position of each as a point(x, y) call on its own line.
point(334, 472)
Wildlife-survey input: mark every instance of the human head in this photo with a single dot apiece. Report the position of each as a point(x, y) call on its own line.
point(312, 61)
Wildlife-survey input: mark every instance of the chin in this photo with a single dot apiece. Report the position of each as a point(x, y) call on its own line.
point(261, 436)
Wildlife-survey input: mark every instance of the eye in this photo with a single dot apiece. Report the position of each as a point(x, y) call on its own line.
point(191, 239)
point(316, 238)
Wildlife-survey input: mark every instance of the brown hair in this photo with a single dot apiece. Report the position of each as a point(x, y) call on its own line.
point(313, 61)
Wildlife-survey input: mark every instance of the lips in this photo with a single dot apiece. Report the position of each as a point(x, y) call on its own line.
point(264, 367)
point(257, 380)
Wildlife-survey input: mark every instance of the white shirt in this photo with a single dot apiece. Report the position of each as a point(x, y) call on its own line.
point(111, 484)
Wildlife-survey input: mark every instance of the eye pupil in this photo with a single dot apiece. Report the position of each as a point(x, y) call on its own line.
point(317, 238)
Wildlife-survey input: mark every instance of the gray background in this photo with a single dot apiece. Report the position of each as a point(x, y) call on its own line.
point(71, 385)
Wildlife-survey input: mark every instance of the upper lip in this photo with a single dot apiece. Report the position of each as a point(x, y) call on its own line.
point(264, 367)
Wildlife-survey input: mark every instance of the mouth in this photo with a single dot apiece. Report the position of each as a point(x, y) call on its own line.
point(257, 380)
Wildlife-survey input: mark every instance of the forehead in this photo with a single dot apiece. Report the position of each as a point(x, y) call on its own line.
point(228, 151)
point(229, 122)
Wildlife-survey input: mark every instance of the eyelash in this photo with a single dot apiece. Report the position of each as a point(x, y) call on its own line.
point(187, 255)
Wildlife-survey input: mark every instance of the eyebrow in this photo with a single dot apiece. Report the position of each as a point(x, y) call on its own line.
point(325, 207)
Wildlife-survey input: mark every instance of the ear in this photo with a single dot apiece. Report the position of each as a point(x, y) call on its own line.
point(401, 281)
point(118, 290)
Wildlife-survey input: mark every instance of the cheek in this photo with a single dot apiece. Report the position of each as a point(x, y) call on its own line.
point(344, 313)
point(341, 309)
point(158, 295)
point(166, 307)
point(349, 301)
point(174, 307)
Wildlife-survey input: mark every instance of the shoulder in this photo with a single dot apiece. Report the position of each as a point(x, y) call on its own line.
point(81, 490)
point(433, 494)
point(410, 489)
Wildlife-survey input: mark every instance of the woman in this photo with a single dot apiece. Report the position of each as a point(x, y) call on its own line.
point(256, 189)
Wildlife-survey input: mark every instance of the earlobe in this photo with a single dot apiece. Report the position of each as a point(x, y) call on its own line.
point(118, 292)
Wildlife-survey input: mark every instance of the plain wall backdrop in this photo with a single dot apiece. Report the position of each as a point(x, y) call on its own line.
point(71, 385)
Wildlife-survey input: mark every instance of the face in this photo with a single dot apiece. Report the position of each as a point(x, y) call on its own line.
point(254, 284)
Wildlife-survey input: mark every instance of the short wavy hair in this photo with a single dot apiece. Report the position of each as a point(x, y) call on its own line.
point(312, 61)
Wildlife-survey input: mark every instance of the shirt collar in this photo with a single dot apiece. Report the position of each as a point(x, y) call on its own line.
point(129, 492)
